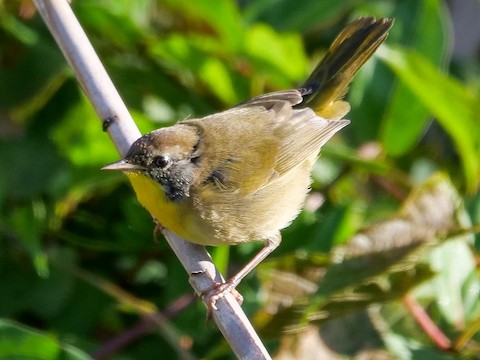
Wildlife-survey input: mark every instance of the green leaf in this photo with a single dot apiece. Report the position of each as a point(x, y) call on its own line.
point(190, 57)
point(406, 118)
point(79, 137)
point(215, 74)
point(103, 18)
point(27, 177)
point(454, 263)
point(28, 223)
point(222, 16)
point(278, 56)
point(220, 256)
point(18, 342)
point(453, 105)
point(291, 15)
point(470, 296)
point(405, 348)
point(331, 229)
point(12, 25)
point(349, 286)
point(41, 79)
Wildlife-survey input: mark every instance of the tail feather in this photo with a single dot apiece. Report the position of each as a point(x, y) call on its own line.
point(329, 81)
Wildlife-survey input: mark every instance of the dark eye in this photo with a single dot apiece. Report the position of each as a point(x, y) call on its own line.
point(161, 161)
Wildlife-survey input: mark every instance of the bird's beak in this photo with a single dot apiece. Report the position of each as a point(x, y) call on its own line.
point(122, 165)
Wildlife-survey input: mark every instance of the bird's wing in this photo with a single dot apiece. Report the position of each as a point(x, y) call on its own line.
point(300, 132)
point(302, 136)
point(266, 138)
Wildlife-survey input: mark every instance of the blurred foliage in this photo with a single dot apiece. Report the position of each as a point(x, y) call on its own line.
point(79, 271)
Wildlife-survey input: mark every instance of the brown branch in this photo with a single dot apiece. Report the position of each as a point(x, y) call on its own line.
point(143, 327)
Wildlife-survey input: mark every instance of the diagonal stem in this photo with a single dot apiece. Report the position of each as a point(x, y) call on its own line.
point(426, 323)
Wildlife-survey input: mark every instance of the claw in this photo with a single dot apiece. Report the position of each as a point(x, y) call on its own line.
point(219, 291)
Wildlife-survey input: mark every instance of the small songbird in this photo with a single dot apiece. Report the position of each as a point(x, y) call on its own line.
point(243, 174)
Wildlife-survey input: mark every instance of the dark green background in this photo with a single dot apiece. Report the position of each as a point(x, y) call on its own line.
point(69, 232)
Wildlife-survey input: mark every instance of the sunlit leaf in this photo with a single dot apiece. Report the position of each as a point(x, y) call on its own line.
point(214, 73)
point(102, 20)
point(279, 56)
point(222, 16)
point(453, 262)
point(405, 348)
point(80, 137)
point(406, 117)
point(453, 105)
point(179, 53)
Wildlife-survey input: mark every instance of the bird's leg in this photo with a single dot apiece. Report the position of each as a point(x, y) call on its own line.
point(158, 229)
point(219, 290)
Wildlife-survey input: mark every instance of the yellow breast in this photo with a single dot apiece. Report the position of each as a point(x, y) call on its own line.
point(152, 197)
point(178, 217)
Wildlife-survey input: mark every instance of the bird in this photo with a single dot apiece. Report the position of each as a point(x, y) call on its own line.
point(243, 174)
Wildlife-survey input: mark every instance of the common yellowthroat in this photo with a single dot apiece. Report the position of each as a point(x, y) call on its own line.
point(243, 174)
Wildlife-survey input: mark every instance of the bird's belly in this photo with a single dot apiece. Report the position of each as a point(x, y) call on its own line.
point(237, 217)
point(213, 217)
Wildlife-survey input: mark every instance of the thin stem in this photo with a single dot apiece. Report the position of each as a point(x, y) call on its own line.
point(426, 323)
point(467, 335)
point(159, 319)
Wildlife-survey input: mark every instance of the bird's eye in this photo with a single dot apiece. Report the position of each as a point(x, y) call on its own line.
point(161, 161)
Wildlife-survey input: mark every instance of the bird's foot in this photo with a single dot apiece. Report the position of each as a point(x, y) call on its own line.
point(217, 291)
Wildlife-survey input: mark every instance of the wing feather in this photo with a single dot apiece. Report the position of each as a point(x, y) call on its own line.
point(258, 141)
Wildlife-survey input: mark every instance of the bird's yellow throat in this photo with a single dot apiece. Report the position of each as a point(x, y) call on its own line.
point(152, 197)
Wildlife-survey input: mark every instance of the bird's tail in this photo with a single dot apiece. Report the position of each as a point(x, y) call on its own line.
point(328, 83)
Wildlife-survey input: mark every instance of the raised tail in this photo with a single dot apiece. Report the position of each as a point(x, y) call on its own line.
point(328, 83)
